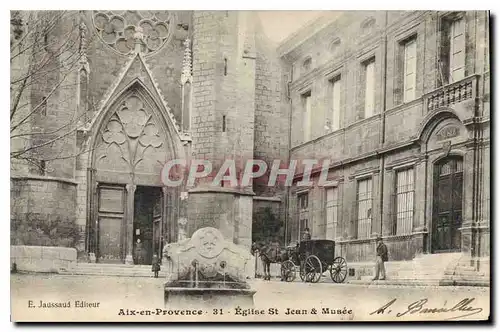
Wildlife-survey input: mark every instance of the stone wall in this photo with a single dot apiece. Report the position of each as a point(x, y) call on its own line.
point(272, 111)
point(223, 88)
point(227, 211)
point(205, 124)
point(48, 203)
point(48, 105)
point(47, 198)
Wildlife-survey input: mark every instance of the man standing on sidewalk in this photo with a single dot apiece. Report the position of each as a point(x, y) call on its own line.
point(382, 257)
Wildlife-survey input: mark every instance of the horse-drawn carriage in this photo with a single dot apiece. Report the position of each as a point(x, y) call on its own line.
point(312, 258)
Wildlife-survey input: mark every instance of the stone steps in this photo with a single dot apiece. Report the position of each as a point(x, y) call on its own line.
point(120, 270)
point(397, 282)
point(435, 269)
point(423, 282)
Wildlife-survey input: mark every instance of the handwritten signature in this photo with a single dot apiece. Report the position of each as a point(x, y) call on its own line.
point(420, 307)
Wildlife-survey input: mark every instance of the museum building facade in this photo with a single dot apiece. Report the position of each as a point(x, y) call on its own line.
point(399, 103)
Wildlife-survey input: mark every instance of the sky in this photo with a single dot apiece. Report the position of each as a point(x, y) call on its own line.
point(280, 24)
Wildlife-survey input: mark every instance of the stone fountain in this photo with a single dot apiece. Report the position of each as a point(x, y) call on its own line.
point(207, 271)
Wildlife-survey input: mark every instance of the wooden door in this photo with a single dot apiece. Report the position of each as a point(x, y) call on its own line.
point(111, 224)
point(447, 203)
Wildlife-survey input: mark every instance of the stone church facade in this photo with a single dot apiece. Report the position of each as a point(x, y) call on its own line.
point(397, 101)
point(153, 86)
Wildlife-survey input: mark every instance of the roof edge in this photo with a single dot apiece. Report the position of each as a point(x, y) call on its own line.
point(307, 31)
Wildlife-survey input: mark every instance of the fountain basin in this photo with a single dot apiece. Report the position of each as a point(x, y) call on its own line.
point(203, 298)
point(207, 272)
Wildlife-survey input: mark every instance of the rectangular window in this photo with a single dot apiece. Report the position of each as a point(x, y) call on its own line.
point(332, 210)
point(335, 93)
point(405, 190)
point(306, 101)
point(452, 49)
point(410, 69)
point(303, 209)
point(457, 50)
point(364, 208)
point(369, 88)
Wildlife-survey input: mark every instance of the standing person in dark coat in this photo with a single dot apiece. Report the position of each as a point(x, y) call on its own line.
point(155, 267)
point(382, 257)
point(138, 252)
point(306, 235)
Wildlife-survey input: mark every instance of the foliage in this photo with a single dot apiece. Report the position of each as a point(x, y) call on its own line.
point(267, 227)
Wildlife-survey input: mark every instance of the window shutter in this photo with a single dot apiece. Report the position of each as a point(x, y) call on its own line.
point(444, 52)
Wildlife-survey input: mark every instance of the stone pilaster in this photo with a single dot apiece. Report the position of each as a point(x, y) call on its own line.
point(130, 223)
point(419, 222)
point(377, 198)
point(388, 218)
point(350, 206)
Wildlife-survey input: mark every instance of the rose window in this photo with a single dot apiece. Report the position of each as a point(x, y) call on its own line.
point(117, 28)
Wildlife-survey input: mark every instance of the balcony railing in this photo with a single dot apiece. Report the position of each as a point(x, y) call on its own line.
point(453, 93)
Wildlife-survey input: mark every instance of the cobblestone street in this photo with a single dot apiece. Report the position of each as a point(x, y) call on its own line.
point(115, 293)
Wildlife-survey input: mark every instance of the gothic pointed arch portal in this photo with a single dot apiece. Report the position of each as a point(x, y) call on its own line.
point(131, 209)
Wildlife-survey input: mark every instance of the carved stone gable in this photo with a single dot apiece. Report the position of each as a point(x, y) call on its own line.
point(132, 133)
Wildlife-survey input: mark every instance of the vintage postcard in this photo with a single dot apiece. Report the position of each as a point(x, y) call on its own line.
point(251, 166)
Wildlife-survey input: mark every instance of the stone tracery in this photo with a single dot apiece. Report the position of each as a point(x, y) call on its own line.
point(117, 28)
point(132, 129)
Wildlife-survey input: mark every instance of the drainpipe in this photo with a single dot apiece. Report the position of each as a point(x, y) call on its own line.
point(287, 189)
point(382, 130)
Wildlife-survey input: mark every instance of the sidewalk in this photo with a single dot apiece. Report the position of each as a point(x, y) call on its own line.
point(428, 282)
point(367, 280)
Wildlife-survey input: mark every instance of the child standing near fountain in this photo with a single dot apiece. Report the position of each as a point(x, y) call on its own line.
point(156, 265)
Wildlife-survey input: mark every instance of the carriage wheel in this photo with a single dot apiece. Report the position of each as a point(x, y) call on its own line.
point(338, 270)
point(302, 272)
point(311, 270)
point(288, 271)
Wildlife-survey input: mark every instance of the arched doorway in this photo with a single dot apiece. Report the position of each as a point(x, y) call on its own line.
point(447, 204)
point(131, 211)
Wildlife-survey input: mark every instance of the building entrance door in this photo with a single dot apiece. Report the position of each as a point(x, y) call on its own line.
point(148, 224)
point(447, 205)
point(111, 223)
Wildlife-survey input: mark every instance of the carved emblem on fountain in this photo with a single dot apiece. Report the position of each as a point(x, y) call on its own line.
point(209, 243)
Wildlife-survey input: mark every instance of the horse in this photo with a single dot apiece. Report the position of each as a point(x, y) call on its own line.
point(269, 253)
